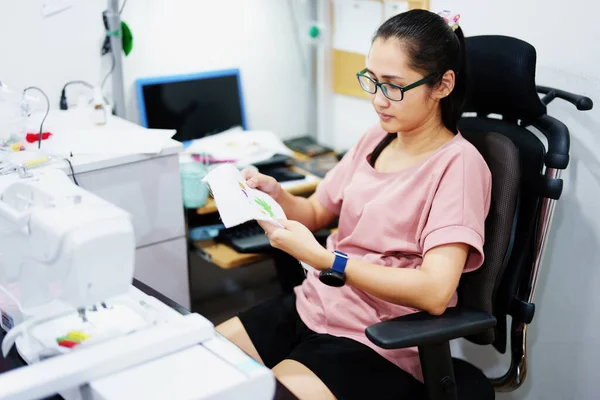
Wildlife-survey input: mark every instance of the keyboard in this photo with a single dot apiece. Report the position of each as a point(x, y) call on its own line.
point(307, 145)
point(249, 237)
point(319, 165)
point(282, 174)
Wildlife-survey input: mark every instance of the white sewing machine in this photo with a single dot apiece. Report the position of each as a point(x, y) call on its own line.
point(66, 302)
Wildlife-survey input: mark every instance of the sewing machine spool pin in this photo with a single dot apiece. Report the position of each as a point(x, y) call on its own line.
point(82, 314)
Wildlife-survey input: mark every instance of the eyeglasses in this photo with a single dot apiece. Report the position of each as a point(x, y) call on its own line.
point(390, 90)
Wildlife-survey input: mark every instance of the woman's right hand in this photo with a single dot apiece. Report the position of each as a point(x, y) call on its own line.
point(264, 183)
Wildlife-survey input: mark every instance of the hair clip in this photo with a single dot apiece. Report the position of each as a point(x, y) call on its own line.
point(452, 21)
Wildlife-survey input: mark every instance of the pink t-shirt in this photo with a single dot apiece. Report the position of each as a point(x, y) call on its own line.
point(393, 219)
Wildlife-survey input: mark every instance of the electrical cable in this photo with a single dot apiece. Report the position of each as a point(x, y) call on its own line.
point(122, 7)
point(72, 171)
point(45, 115)
point(112, 68)
point(296, 28)
point(63, 93)
point(84, 83)
point(63, 97)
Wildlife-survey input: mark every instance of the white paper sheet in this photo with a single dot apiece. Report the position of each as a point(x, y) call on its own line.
point(391, 8)
point(240, 147)
point(109, 141)
point(236, 202)
point(355, 23)
point(73, 132)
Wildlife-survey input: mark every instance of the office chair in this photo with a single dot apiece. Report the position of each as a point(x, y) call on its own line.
point(526, 184)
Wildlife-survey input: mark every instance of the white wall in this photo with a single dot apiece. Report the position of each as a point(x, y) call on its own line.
point(50, 52)
point(183, 36)
point(170, 37)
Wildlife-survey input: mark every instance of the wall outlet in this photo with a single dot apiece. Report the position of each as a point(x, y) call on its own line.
point(53, 7)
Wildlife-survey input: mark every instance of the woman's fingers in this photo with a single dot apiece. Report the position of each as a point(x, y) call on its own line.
point(248, 173)
point(264, 183)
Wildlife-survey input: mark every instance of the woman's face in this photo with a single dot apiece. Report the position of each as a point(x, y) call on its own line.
point(387, 62)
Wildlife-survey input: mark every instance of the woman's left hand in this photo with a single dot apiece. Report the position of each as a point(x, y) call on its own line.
point(298, 241)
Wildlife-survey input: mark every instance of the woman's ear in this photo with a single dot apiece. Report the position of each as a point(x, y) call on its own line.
point(446, 85)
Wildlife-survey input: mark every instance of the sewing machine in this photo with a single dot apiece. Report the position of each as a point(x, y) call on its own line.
point(67, 304)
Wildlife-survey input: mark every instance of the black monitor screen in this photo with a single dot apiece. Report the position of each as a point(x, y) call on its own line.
point(194, 107)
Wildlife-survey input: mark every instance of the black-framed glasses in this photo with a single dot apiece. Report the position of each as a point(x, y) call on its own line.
point(390, 90)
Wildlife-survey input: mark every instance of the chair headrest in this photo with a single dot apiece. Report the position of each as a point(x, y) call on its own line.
point(502, 77)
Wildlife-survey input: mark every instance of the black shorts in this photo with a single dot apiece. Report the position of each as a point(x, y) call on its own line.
point(351, 370)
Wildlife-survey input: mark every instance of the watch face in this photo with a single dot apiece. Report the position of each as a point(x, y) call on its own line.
point(332, 278)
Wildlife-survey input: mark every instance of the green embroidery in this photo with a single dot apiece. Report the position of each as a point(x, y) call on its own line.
point(265, 206)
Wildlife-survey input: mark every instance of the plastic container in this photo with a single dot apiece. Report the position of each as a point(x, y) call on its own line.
point(194, 191)
point(99, 112)
point(13, 116)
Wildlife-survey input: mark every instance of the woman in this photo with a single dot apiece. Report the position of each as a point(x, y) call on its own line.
point(412, 197)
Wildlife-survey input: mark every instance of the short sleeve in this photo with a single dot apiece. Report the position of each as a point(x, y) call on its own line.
point(330, 192)
point(459, 207)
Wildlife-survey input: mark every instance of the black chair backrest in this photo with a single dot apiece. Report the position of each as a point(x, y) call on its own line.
point(501, 73)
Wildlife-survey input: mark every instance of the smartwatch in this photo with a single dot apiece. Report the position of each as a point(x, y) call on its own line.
point(335, 276)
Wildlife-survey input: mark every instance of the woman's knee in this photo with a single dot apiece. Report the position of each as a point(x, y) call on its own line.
point(230, 328)
point(301, 381)
point(234, 331)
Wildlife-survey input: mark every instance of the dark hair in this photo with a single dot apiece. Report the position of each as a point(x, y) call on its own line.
point(433, 48)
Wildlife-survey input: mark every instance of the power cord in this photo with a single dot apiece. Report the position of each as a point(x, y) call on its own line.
point(63, 94)
point(112, 68)
point(296, 28)
point(72, 171)
point(106, 46)
point(45, 115)
point(122, 7)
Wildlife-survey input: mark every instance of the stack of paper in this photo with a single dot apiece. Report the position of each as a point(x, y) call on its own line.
point(240, 147)
point(109, 141)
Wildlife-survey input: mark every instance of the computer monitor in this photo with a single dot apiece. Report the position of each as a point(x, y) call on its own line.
point(196, 105)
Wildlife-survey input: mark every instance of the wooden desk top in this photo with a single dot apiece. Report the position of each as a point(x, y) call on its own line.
point(224, 256)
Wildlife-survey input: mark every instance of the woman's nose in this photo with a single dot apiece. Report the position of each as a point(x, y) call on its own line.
point(379, 99)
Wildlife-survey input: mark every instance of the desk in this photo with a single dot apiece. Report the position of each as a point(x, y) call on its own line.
point(226, 257)
point(13, 361)
point(148, 186)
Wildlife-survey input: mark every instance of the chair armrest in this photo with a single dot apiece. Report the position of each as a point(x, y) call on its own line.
point(422, 328)
point(581, 102)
